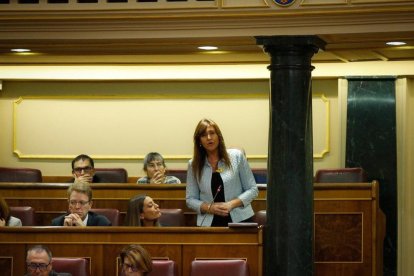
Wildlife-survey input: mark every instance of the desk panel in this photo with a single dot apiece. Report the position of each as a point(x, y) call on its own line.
point(103, 244)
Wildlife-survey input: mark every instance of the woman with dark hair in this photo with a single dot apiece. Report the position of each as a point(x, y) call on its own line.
point(142, 211)
point(5, 218)
point(220, 183)
point(155, 168)
point(135, 261)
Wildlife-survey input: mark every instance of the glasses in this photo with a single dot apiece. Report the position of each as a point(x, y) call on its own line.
point(153, 165)
point(87, 169)
point(130, 268)
point(35, 266)
point(81, 203)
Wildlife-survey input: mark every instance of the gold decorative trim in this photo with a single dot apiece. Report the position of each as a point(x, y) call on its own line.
point(21, 155)
point(223, 5)
point(326, 150)
point(323, 2)
point(378, 1)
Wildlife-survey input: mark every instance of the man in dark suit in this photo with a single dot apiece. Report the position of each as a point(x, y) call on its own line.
point(39, 262)
point(80, 203)
point(83, 169)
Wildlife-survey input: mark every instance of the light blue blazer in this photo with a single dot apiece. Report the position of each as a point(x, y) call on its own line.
point(238, 182)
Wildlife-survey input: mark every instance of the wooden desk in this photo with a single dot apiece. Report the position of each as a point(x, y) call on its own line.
point(349, 227)
point(103, 244)
point(50, 199)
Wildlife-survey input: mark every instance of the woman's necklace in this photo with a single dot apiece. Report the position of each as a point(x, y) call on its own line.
point(214, 163)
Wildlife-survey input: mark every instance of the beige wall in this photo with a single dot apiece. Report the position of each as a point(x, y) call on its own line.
point(46, 123)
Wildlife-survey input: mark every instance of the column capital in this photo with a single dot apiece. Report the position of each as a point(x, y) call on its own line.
point(291, 41)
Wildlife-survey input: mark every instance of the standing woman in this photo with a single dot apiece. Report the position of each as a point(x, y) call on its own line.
point(142, 211)
point(5, 218)
point(220, 183)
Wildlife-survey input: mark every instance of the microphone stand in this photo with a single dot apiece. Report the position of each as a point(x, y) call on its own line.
point(209, 206)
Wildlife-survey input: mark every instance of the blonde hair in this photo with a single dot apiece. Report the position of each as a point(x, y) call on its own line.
point(82, 187)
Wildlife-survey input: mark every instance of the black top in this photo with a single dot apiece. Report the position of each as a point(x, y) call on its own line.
point(216, 182)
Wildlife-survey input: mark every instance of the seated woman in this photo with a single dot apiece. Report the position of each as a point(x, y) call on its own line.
point(154, 167)
point(135, 261)
point(5, 218)
point(142, 211)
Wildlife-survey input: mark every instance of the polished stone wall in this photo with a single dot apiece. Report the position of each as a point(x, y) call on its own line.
point(371, 144)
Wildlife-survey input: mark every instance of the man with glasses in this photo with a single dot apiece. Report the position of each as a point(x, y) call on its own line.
point(83, 169)
point(80, 203)
point(39, 262)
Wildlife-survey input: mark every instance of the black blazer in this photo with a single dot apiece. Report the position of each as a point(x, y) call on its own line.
point(93, 220)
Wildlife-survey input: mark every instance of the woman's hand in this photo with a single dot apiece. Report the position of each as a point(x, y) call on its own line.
point(2, 222)
point(223, 208)
point(158, 178)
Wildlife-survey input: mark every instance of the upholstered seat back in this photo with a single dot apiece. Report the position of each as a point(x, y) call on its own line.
point(75, 266)
point(172, 217)
point(20, 175)
point(180, 174)
point(25, 213)
point(227, 267)
point(163, 268)
point(111, 214)
point(342, 175)
point(111, 175)
point(260, 175)
point(260, 217)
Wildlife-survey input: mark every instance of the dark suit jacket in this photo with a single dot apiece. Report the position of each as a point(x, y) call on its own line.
point(93, 220)
point(54, 273)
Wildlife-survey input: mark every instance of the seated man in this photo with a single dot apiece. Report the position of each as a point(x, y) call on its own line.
point(80, 203)
point(39, 262)
point(83, 169)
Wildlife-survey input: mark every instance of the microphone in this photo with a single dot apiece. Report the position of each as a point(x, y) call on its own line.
point(209, 205)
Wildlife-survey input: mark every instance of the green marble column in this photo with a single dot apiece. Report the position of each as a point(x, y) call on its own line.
point(288, 239)
point(371, 143)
